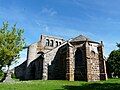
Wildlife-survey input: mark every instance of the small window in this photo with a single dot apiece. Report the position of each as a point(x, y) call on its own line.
point(59, 43)
point(56, 43)
point(92, 54)
point(47, 42)
point(51, 43)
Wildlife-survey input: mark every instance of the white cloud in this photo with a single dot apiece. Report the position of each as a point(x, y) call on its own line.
point(49, 11)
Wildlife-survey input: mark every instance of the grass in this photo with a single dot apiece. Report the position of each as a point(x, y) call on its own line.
point(111, 84)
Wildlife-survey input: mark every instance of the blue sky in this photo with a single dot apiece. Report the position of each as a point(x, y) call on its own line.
point(96, 19)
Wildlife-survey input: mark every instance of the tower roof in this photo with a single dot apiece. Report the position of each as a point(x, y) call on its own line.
point(80, 38)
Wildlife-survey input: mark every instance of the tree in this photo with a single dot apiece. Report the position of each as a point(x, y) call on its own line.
point(113, 63)
point(11, 43)
point(118, 45)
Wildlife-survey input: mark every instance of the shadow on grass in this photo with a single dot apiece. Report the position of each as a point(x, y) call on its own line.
point(94, 86)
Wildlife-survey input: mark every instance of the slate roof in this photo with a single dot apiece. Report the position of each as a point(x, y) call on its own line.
point(81, 38)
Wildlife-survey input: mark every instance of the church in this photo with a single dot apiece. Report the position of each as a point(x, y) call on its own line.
point(53, 58)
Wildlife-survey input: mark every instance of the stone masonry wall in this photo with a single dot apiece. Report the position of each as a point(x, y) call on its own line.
point(49, 57)
point(70, 63)
point(103, 74)
point(20, 70)
point(32, 55)
point(48, 43)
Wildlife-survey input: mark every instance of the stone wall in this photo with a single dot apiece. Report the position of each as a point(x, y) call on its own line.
point(70, 62)
point(32, 53)
point(102, 65)
point(20, 70)
point(47, 43)
point(95, 62)
point(50, 58)
point(35, 69)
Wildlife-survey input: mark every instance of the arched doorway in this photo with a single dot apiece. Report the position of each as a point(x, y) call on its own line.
point(80, 72)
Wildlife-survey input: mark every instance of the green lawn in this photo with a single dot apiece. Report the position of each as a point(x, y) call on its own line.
point(111, 84)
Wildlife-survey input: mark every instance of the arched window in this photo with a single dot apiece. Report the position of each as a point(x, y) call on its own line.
point(47, 42)
point(80, 73)
point(56, 43)
point(92, 54)
point(51, 43)
point(59, 43)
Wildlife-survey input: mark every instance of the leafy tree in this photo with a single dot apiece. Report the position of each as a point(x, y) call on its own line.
point(113, 63)
point(11, 43)
point(118, 45)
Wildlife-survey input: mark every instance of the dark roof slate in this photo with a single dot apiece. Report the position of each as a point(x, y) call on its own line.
point(80, 38)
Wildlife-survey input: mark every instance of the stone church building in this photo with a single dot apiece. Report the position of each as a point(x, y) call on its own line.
point(53, 58)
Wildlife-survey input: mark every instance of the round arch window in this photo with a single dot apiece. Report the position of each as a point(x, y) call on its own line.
point(92, 54)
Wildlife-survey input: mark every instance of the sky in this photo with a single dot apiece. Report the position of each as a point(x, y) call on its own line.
point(95, 19)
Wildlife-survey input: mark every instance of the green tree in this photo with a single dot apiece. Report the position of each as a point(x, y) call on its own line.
point(11, 43)
point(118, 45)
point(113, 63)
